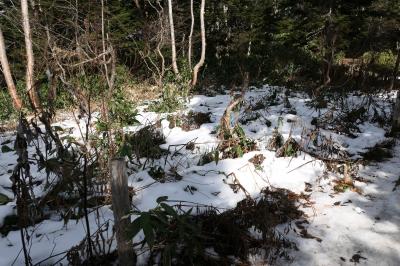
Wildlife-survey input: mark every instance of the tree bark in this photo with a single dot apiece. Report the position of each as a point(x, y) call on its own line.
point(159, 46)
point(30, 83)
point(173, 46)
point(329, 53)
point(190, 35)
point(121, 207)
point(203, 45)
point(7, 74)
point(137, 4)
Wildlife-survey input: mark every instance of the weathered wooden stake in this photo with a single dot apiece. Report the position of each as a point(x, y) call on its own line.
point(396, 115)
point(121, 206)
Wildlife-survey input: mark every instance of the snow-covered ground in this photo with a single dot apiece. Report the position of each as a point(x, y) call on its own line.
point(350, 224)
point(352, 227)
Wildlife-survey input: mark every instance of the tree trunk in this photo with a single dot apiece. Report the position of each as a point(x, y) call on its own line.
point(137, 4)
point(7, 74)
point(203, 45)
point(249, 45)
point(160, 44)
point(172, 30)
point(329, 54)
point(190, 35)
point(121, 207)
point(395, 70)
point(30, 83)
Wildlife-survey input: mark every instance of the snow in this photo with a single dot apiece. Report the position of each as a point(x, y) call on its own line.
point(369, 225)
point(49, 238)
point(366, 224)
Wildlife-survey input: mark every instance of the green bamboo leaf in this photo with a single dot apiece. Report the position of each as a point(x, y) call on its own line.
point(161, 199)
point(5, 149)
point(189, 212)
point(58, 128)
point(134, 228)
point(3, 199)
point(145, 223)
point(167, 256)
point(169, 209)
point(216, 156)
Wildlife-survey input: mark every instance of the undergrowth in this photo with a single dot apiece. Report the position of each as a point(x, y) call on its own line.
point(183, 236)
point(190, 121)
point(170, 102)
point(143, 143)
point(235, 143)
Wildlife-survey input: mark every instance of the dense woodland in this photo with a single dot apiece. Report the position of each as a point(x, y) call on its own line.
point(312, 45)
point(109, 106)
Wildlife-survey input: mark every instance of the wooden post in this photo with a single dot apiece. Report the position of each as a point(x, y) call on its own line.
point(121, 206)
point(396, 115)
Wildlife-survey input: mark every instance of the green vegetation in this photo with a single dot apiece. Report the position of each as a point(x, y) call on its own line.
point(104, 61)
point(309, 44)
point(183, 236)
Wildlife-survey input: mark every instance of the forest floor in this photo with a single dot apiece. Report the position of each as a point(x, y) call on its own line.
point(345, 225)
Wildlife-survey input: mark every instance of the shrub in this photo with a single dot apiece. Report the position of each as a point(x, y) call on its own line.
point(181, 237)
point(143, 143)
point(170, 102)
point(122, 110)
point(7, 109)
point(235, 144)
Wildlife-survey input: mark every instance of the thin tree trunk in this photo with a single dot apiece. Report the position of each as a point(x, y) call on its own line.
point(172, 30)
point(30, 84)
point(137, 4)
point(190, 35)
point(395, 70)
point(7, 74)
point(249, 45)
point(86, 185)
point(159, 45)
point(327, 46)
point(329, 56)
point(203, 45)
